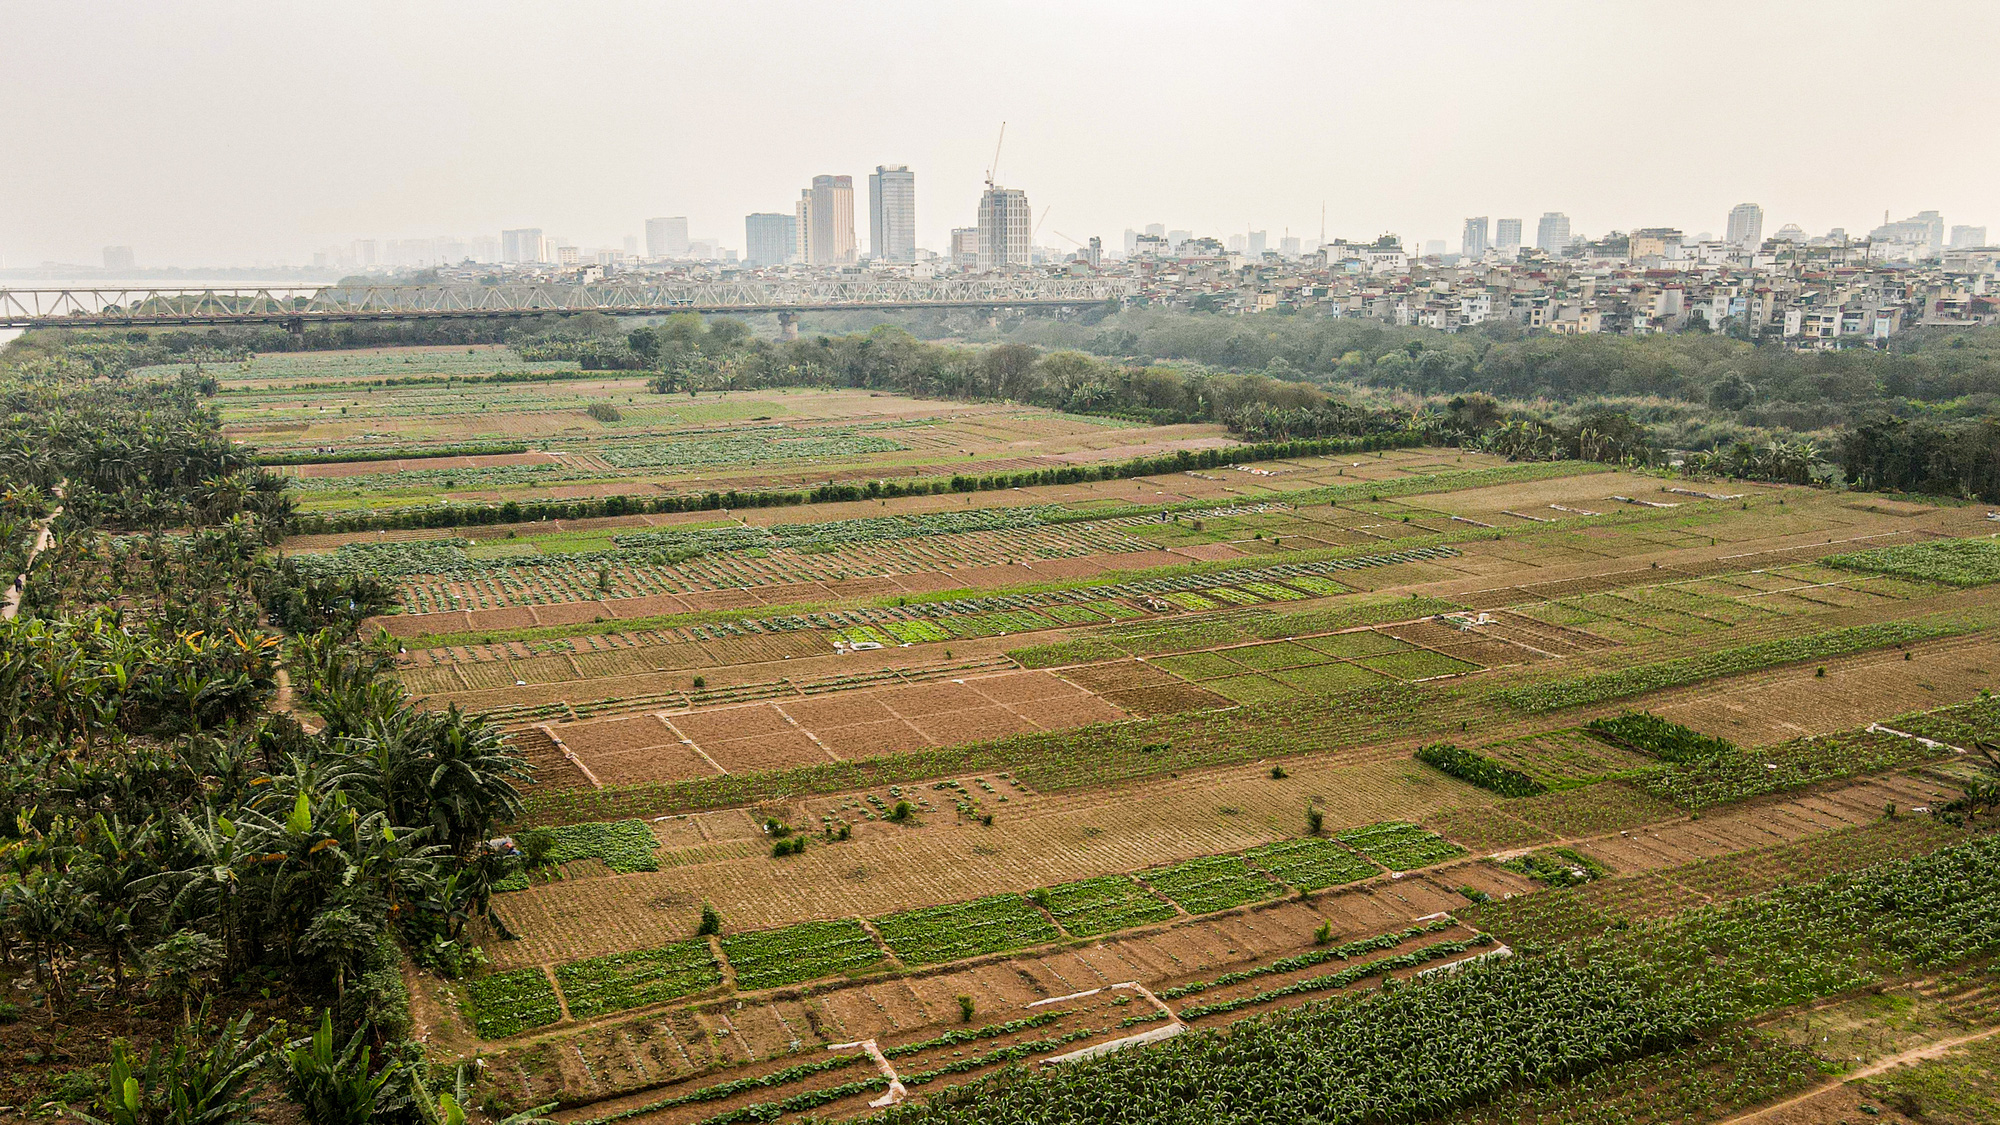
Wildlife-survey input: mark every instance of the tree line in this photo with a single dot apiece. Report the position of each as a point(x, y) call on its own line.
point(181, 851)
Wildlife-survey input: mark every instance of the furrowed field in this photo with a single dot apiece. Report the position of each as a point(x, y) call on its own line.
point(1360, 779)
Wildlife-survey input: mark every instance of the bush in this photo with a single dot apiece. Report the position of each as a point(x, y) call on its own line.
point(1667, 741)
point(603, 412)
point(711, 920)
point(1481, 771)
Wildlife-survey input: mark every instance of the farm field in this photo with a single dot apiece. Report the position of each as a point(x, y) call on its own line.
point(994, 772)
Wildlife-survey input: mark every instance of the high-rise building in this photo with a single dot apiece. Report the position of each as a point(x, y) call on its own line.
point(830, 222)
point(1507, 237)
point(118, 257)
point(1156, 229)
point(566, 255)
point(1131, 237)
point(1925, 229)
point(965, 247)
point(1258, 240)
point(524, 245)
point(364, 251)
point(1962, 238)
point(1176, 237)
point(667, 238)
point(1746, 226)
point(769, 238)
point(1289, 246)
point(1552, 233)
point(892, 213)
point(1474, 243)
point(1005, 228)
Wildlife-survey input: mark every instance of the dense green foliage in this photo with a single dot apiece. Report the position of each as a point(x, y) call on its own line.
point(964, 929)
point(1661, 738)
point(1955, 562)
point(1602, 686)
point(1453, 1040)
point(1472, 768)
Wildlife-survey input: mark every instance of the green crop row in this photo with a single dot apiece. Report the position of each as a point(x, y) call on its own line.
point(1557, 867)
point(1343, 952)
point(1728, 662)
point(1474, 769)
point(1312, 863)
point(1750, 773)
point(964, 929)
point(630, 980)
point(512, 1002)
point(1954, 562)
point(808, 951)
point(1455, 1040)
point(1399, 846)
point(1332, 982)
point(625, 846)
point(1212, 883)
point(1663, 739)
point(1097, 906)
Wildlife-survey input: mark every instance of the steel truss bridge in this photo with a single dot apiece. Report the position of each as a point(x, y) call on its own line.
point(295, 307)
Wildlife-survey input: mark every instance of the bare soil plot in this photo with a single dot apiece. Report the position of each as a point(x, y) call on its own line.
point(731, 722)
point(863, 740)
point(1023, 687)
point(1166, 700)
point(836, 710)
point(970, 724)
point(777, 750)
point(609, 735)
point(670, 762)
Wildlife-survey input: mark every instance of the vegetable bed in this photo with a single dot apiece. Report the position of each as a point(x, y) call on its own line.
point(807, 951)
point(965, 929)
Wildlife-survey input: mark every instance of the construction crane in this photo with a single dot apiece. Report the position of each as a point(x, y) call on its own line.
point(1038, 223)
point(994, 169)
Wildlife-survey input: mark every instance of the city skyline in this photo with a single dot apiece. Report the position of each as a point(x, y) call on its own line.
point(256, 185)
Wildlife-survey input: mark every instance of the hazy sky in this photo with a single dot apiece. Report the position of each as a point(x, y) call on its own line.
point(218, 133)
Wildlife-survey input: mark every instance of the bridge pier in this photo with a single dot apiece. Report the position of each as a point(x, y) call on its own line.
point(788, 326)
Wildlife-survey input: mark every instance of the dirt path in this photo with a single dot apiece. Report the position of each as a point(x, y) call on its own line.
point(43, 537)
point(1914, 1054)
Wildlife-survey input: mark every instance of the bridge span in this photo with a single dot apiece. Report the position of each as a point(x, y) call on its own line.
point(295, 307)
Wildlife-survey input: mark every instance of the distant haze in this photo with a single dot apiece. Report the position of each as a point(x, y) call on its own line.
point(250, 133)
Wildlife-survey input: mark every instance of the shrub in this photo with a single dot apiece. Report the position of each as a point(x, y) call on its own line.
point(711, 920)
point(965, 1009)
point(603, 412)
point(1667, 741)
point(1481, 771)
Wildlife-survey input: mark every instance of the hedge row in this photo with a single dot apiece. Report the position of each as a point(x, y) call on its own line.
point(1478, 770)
point(347, 456)
point(515, 511)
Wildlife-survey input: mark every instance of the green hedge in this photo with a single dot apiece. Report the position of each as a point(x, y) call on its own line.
point(515, 511)
point(1481, 771)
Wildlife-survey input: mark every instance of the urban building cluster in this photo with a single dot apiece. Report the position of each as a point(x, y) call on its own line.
point(1813, 291)
point(1832, 290)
